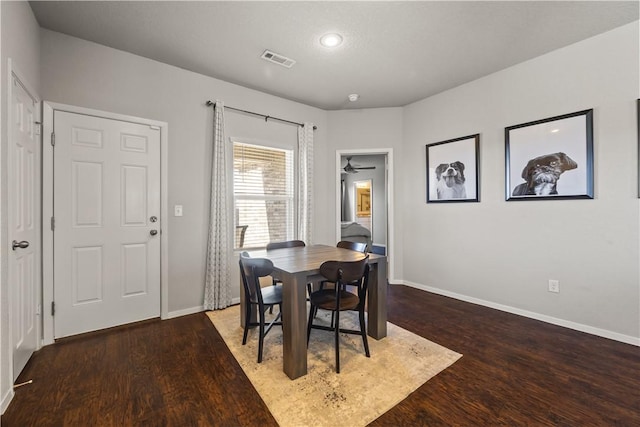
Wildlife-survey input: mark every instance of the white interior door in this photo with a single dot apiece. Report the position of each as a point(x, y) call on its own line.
point(107, 222)
point(23, 171)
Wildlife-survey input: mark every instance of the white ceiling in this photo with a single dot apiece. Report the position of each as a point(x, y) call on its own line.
point(394, 53)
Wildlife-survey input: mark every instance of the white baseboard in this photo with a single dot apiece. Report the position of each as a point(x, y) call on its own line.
point(193, 310)
point(183, 312)
point(6, 399)
point(530, 314)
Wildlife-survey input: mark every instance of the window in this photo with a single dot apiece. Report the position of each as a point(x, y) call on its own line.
point(263, 191)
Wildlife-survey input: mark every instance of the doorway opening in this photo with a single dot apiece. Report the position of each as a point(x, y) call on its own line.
point(364, 199)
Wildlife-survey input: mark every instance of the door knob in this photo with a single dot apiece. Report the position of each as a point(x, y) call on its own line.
point(153, 232)
point(22, 245)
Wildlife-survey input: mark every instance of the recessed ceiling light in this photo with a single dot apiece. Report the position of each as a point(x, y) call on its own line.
point(331, 40)
point(555, 130)
point(354, 97)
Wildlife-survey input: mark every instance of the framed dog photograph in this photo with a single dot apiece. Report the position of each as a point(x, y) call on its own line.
point(452, 170)
point(550, 159)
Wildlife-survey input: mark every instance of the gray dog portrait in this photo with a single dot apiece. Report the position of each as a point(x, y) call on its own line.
point(543, 173)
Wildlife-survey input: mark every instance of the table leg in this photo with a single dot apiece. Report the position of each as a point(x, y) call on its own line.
point(294, 325)
point(377, 300)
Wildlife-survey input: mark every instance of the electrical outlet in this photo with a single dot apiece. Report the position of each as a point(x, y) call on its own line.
point(554, 286)
point(177, 210)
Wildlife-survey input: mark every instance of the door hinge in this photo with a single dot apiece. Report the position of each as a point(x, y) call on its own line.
point(38, 128)
point(53, 308)
point(53, 223)
point(53, 139)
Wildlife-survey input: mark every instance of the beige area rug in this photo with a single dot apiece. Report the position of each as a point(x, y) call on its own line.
point(364, 389)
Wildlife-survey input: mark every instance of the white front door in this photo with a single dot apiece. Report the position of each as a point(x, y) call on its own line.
point(107, 222)
point(23, 244)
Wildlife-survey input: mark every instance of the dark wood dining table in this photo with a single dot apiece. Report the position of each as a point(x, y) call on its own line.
point(298, 266)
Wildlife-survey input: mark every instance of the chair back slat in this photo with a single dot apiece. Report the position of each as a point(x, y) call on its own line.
point(354, 246)
point(252, 269)
point(344, 271)
point(285, 244)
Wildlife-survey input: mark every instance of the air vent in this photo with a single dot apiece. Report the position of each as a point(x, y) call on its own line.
point(278, 59)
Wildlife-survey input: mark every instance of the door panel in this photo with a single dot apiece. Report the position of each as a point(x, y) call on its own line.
point(22, 178)
point(106, 188)
point(134, 188)
point(134, 269)
point(86, 194)
point(86, 275)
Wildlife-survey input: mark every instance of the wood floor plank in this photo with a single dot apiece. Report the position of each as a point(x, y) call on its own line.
point(514, 371)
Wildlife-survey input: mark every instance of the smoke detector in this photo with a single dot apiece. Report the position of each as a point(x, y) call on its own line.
point(277, 59)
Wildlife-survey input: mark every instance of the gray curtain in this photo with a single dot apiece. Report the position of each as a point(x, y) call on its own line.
point(217, 291)
point(305, 182)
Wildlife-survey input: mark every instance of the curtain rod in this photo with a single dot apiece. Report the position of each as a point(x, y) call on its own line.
point(266, 118)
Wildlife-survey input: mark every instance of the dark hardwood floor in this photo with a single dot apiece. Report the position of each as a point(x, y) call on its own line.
point(514, 371)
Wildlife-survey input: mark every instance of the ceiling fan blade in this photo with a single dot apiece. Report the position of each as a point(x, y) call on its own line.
point(349, 169)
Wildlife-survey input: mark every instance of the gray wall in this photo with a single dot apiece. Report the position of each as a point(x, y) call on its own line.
point(86, 74)
point(21, 43)
point(504, 253)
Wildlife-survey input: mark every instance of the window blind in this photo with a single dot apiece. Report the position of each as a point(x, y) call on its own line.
point(263, 188)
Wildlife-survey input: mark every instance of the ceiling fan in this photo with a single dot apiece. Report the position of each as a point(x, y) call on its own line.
point(349, 168)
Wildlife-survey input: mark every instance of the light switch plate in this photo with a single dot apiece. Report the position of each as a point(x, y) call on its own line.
point(177, 210)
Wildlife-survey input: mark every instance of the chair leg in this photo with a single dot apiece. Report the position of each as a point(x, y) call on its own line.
point(247, 320)
point(337, 335)
point(273, 283)
point(311, 316)
point(310, 291)
point(363, 332)
point(261, 338)
point(320, 288)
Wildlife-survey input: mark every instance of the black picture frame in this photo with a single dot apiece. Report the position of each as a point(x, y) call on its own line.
point(638, 124)
point(538, 154)
point(453, 170)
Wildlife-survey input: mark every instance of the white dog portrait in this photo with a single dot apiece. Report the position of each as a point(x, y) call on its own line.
point(450, 177)
point(452, 170)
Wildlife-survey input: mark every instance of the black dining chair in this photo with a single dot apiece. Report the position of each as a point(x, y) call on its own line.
point(344, 244)
point(285, 244)
point(281, 245)
point(339, 299)
point(251, 270)
point(354, 246)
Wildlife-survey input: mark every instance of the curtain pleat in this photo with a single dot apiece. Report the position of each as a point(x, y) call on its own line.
point(305, 182)
point(217, 291)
